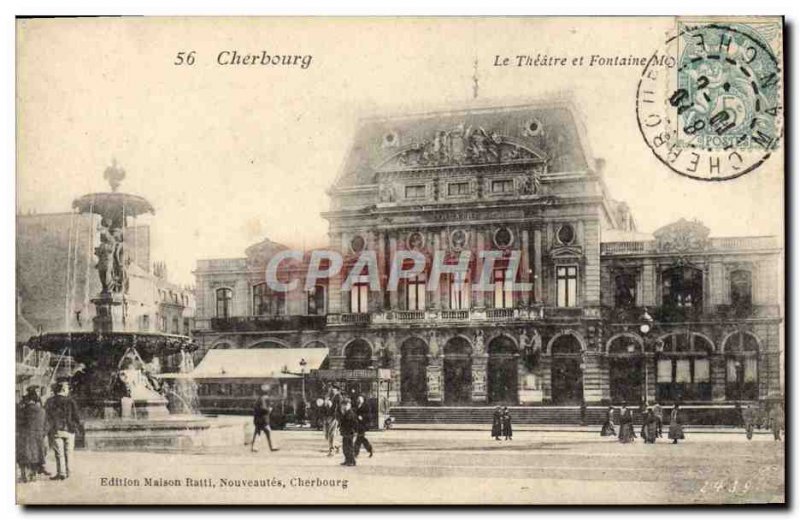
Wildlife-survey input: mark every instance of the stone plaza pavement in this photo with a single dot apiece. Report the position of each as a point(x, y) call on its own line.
point(436, 467)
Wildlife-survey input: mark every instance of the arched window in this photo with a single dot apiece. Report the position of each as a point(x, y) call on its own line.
point(358, 355)
point(741, 290)
point(741, 367)
point(683, 368)
point(682, 288)
point(224, 297)
point(267, 302)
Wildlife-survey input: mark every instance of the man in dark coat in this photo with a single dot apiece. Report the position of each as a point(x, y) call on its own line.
point(31, 432)
point(63, 422)
point(507, 431)
point(348, 427)
point(497, 424)
point(363, 415)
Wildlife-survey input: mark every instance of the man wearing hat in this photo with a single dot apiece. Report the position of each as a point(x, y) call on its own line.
point(348, 427)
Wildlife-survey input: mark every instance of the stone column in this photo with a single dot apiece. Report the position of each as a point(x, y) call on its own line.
point(434, 379)
point(537, 266)
point(436, 296)
point(392, 253)
point(524, 266)
point(648, 284)
point(650, 377)
point(547, 384)
point(478, 294)
point(479, 377)
point(718, 378)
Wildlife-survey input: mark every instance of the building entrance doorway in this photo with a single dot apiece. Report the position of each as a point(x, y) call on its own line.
point(566, 372)
point(457, 372)
point(503, 371)
point(413, 368)
point(626, 378)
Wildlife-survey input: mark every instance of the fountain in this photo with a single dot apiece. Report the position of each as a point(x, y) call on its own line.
point(124, 376)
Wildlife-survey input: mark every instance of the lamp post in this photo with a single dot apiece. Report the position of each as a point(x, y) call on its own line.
point(645, 328)
point(303, 364)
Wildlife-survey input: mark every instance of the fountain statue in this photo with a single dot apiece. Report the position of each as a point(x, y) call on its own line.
point(125, 375)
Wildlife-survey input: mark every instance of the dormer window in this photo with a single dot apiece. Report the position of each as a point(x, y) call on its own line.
point(502, 186)
point(415, 191)
point(458, 189)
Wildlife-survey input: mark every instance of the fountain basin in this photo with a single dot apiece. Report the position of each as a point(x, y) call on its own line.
point(170, 433)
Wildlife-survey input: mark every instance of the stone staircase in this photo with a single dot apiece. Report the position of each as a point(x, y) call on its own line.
point(556, 415)
point(483, 414)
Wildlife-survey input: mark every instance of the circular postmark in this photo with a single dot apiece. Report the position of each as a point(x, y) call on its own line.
point(709, 106)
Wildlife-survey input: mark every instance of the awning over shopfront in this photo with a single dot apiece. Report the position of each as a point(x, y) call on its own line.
point(268, 363)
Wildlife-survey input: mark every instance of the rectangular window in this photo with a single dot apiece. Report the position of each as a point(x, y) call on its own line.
point(455, 189)
point(683, 371)
point(664, 371)
point(503, 186)
point(186, 326)
point(567, 286)
point(415, 293)
point(459, 294)
point(316, 301)
point(732, 375)
point(416, 191)
point(359, 295)
point(750, 370)
point(145, 322)
point(503, 289)
point(702, 371)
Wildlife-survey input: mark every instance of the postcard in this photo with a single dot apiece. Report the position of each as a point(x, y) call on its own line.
point(500, 260)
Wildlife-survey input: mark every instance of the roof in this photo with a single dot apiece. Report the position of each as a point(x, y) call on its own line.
point(550, 130)
point(258, 363)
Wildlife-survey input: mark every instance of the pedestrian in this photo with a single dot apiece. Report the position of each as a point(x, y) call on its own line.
point(330, 424)
point(31, 433)
point(63, 422)
point(649, 427)
point(608, 426)
point(675, 427)
point(262, 413)
point(497, 424)
point(659, 414)
point(363, 415)
point(507, 431)
point(776, 420)
point(348, 427)
point(626, 433)
point(748, 420)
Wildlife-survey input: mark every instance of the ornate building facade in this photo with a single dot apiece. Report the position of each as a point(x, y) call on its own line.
point(608, 315)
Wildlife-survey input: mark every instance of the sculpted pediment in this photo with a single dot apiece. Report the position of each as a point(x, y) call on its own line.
point(681, 236)
point(461, 146)
point(566, 252)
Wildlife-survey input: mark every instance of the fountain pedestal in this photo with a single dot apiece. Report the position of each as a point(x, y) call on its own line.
point(109, 313)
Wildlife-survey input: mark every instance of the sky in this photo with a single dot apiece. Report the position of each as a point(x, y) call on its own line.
point(229, 155)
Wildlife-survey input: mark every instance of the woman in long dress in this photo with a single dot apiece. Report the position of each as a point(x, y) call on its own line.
point(497, 424)
point(608, 427)
point(675, 427)
point(31, 446)
point(626, 433)
point(650, 427)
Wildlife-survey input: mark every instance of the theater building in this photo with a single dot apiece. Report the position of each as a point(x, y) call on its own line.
point(610, 314)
